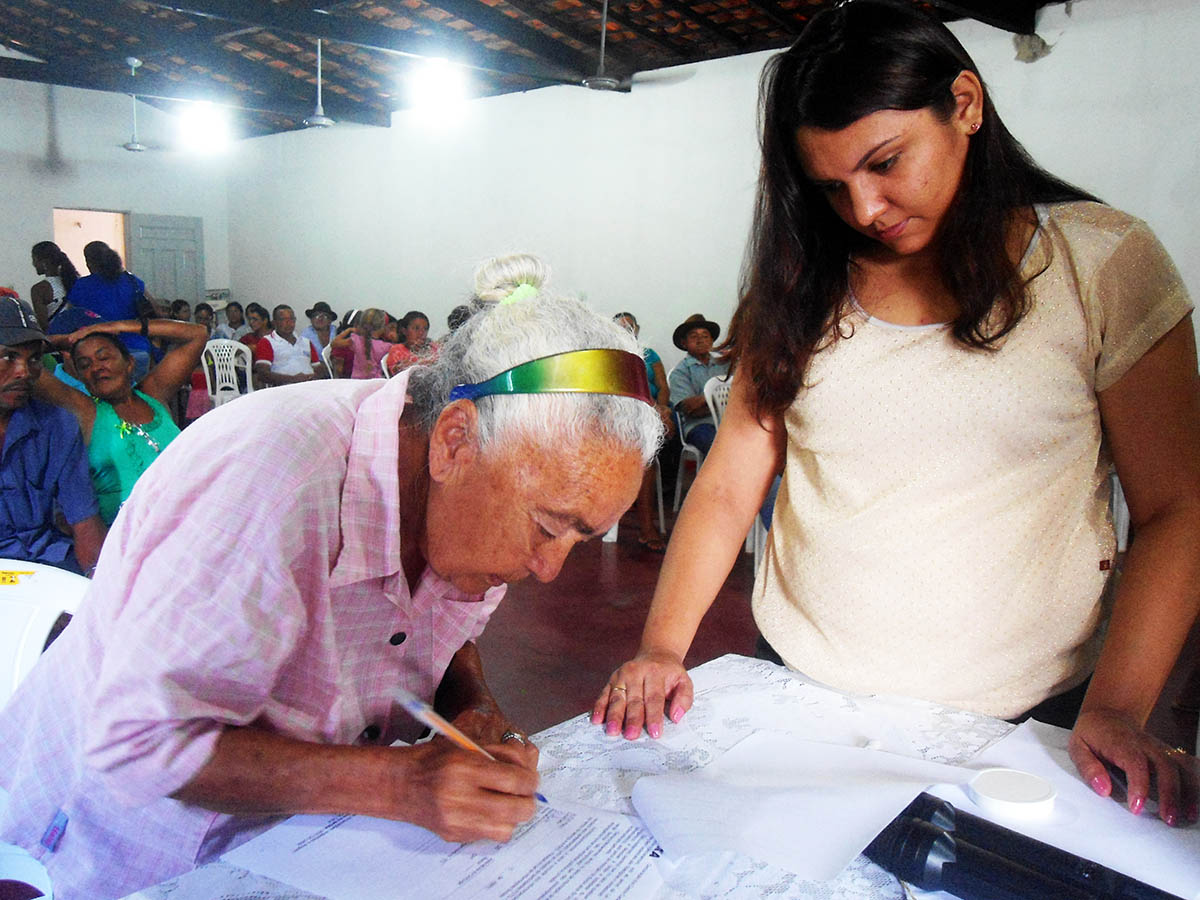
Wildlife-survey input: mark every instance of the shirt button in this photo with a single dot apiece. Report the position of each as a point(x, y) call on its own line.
point(371, 733)
point(397, 639)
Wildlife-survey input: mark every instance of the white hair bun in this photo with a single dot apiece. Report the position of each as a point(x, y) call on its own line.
point(499, 276)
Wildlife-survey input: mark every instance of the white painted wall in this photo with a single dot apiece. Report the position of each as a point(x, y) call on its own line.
point(1114, 108)
point(642, 201)
point(93, 172)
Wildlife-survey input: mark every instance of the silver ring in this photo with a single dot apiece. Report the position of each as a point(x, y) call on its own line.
point(513, 736)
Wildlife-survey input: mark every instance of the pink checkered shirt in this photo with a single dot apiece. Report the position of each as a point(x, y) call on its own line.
point(278, 602)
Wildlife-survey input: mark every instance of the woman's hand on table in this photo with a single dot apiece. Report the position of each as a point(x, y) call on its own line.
point(640, 692)
point(1152, 768)
point(461, 795)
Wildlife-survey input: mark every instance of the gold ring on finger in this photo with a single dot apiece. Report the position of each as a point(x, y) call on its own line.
point(618, 687)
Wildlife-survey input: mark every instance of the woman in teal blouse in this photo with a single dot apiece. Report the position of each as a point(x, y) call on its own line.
point(124, 428)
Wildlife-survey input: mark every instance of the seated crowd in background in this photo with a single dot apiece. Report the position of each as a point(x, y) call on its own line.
point(284, 357)
point(99, 378)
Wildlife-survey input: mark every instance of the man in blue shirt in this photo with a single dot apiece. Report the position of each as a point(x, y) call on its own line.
point(43, 464)
point(696, 335)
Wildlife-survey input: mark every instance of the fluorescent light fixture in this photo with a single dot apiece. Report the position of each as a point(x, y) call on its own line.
point(204, 128)
point(438, 90)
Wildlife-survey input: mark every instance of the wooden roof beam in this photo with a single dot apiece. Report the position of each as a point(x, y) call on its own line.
point(516, 32)
point(162, 88)
point(197, 47)
point(361, 33)
point(1018, 16)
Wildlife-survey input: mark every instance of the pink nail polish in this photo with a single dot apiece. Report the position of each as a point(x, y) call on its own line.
point(1170, 819)
point(1098, 785)
point(1136, 804)
point(655, 731)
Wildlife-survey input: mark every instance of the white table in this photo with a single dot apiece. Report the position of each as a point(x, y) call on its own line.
point(735, 696)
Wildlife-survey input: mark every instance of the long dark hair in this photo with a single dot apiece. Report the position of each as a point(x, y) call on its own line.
point(409, 317)
point(259, 310)
point(51, 252)
point(104, 259)
point(108, 337)
point(850, 61)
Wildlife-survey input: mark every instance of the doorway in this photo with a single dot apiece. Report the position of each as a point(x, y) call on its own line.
point(166, 252)
point(73, 228)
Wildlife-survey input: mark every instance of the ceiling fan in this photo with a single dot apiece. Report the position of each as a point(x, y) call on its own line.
point(134, 144)
point(602, 81)
point(318, 119)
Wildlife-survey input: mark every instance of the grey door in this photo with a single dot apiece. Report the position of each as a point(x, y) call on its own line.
point(167, 252)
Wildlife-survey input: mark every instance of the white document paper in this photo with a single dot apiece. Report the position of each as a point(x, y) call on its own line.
point(1085, 824)
point(566, 850)
point(805, 806)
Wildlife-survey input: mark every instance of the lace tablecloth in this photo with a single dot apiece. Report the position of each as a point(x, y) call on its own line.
point(735, 696)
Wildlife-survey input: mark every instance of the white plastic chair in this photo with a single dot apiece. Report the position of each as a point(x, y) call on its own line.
point(610, 536)
point(33, 597)
point(1120, 513)
point(716, 395)
point(688, 450)
point(18, 866)
point(222, 361)
point(327, 358)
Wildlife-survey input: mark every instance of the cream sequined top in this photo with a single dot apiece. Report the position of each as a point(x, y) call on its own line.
point(942, 529)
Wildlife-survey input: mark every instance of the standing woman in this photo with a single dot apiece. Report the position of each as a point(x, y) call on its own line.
point(944, 347)
point(50, 294)
point(115, 295)
point(124, 428)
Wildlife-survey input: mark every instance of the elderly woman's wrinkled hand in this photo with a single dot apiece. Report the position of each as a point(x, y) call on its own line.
point(640, 692)
point(1152, 768)
point(493, 731)
point(461, 795)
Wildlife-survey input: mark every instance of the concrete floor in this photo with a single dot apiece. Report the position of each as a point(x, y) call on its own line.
point(549, 648)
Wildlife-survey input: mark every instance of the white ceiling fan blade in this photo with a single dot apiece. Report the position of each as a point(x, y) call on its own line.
point(663, 77)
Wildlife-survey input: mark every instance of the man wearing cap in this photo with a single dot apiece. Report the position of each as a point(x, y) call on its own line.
point(320, 329)
point(43, 463)
point(696, 335)
point(283, 357)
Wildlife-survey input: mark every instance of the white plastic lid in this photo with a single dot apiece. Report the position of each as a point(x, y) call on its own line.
point(1012, 793)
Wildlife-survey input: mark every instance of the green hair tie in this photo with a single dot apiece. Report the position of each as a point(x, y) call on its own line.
point(522, 291)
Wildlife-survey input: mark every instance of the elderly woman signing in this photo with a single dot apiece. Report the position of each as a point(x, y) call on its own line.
point(239, 660)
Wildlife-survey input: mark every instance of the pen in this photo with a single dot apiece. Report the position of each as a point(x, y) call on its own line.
point(426, 715)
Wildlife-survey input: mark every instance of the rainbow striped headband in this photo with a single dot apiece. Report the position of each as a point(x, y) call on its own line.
point(574, 372)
